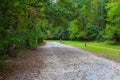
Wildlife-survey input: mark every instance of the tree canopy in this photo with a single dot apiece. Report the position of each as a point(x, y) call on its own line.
point(25, 23)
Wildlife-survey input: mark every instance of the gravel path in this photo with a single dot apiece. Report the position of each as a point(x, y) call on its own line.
point(62, 62)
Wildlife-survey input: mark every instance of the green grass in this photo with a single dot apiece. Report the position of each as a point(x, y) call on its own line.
point(111, 51)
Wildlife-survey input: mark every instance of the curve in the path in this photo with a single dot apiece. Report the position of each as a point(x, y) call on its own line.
point(69, 63)
point(62, 62)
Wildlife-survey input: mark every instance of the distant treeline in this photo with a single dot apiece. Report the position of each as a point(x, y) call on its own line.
point(85, 20)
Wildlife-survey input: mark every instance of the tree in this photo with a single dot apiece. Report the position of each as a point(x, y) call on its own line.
point(19, 25)
point(113, 25)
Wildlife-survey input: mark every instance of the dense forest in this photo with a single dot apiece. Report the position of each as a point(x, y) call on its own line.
point(26, 23)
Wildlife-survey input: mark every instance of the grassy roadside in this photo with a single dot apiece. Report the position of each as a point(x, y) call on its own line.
point(111, 51)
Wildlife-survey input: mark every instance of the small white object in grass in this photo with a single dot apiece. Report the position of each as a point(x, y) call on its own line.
point(55, 1)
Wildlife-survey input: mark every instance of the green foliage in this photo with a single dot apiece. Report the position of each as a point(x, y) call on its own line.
point(88, 22)
point(24, 24)
point(113, 27)
point(19, 25)
point(92, 32)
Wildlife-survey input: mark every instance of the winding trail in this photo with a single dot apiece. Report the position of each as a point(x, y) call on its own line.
point(62, 62)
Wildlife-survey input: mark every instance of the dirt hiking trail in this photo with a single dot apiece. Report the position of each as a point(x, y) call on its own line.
point(56, 61)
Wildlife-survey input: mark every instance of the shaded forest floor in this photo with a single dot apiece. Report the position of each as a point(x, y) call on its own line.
point(18, 66)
